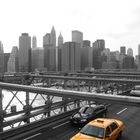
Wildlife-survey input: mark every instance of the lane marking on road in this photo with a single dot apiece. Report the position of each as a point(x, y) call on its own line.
point(121, 111)
point(60, 125)
point(32, 136)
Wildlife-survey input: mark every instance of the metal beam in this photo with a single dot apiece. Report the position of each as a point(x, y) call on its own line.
point(75, 94)
point(1, 111)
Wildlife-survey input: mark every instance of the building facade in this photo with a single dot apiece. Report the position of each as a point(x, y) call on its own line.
point(49, 45)
point(86, 55)
point(71, 57)
point(97, 47)
point(34, 42)
point(13, 64)
point(123, 50)
point(37, 58)
point(77, 36)
point(60, 45)
point(24, 53)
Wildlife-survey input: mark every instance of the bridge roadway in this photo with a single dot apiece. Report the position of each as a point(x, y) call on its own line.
point(64, 130)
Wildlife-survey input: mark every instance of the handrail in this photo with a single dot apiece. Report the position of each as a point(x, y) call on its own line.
point(75, 94)
point(35, 125)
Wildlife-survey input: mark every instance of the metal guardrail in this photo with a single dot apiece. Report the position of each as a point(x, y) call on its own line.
point(37, 111)
point(75, 94)
point(130, 81)
point(16, 132)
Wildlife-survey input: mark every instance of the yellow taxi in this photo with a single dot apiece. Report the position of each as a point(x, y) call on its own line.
point(101, 129)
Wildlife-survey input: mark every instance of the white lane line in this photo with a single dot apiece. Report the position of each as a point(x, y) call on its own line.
point(32, 136)
point(121, 111)
point(60, 125)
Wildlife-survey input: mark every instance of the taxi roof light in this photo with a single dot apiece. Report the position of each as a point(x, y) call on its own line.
point(101, 121)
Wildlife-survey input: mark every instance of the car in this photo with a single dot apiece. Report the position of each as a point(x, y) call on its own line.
point(135, 93)
point(88, 113)
point(101, 129)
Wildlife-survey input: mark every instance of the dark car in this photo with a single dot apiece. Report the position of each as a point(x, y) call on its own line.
point(88, 113)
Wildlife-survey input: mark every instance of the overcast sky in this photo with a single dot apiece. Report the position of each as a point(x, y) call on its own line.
point(116, 21)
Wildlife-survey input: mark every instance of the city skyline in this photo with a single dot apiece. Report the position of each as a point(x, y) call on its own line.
point(115, 21)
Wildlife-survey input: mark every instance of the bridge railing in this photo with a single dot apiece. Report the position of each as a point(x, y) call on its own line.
point(30, 110)
point(69, 98)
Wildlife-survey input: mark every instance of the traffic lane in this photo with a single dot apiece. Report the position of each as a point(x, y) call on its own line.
point(130, 116)
point(61, 132)
point(64, 130)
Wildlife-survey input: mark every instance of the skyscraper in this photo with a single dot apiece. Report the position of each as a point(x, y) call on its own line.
point(1, 58)
point(129, 52)
point(77, 36)
point(12, 65)
point(24, 53)
point(123, 50)
point(1, 48)
point(98, 46)
point(34, 42)
point(46, 45)
point(71, 57)
point(139, 49)
point(37, 58)
point(85, 55)
point(53, 37)
point(60, 45)
point(49, 45)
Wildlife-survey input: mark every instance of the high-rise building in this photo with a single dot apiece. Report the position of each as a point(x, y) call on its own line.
point(1, 48)
point(86, 55)
point(6, 58)
point(123, 50)
point(53, 37)
point(46, 44)
point(129, 52)
point(77, 36)
point(12, 65)
point(1, 58)
point(86, 43)
point(138, 49)
point(37, 58)
point(60, 45)
point(24, 53)
point(49, 45)
point(71, 57)
point(128, 62)
point(98, 46)
point(34, 42)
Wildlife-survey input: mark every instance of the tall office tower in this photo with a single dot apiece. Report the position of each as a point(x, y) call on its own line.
point(71, 57)
point(129, 52)
point(34, 42)
point(1, 58)
point(53, 37)
point(6, 58)
point(60, 45)
point(97, 47)
point(24, 53)
point(123, 50)
point(128, 62)
point(46, 44)
point(37, 58)
point(1, 48)
point(49, 45)
point(77, 36)
point(12, 65)
point(138, 58)
point(139, 49)
point(109, 59)
point(53, 52)
point(86, 43)
point(85, 55)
